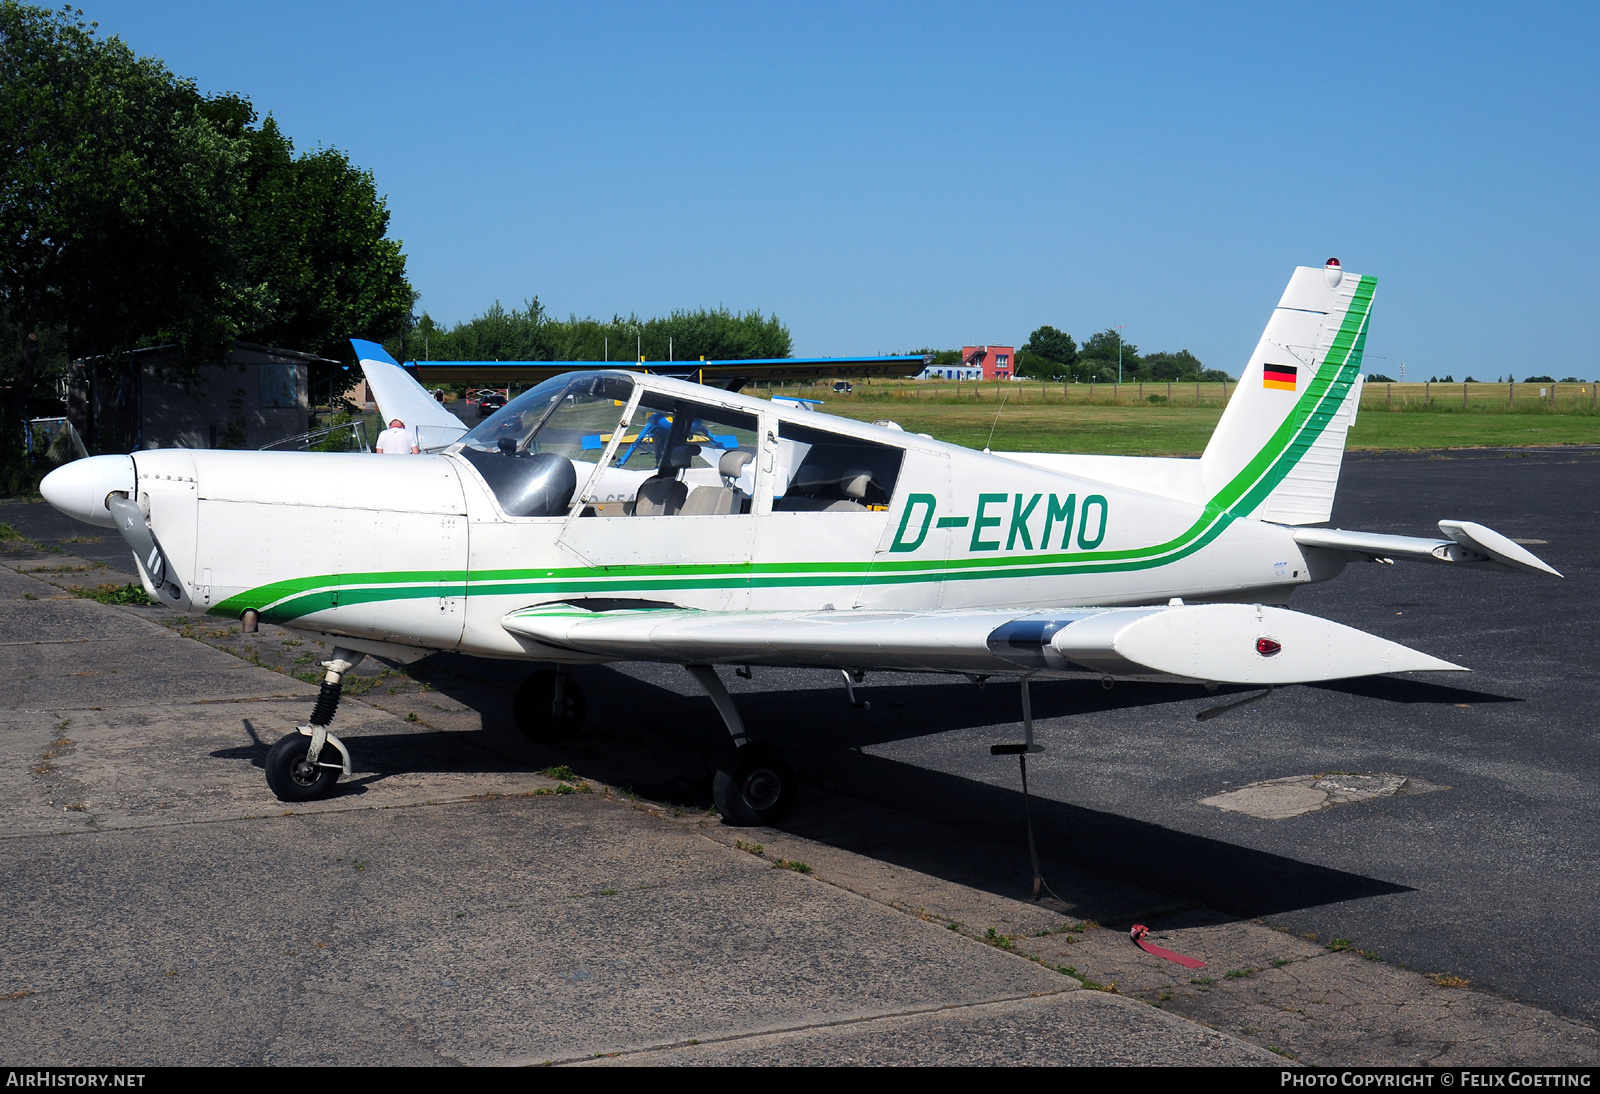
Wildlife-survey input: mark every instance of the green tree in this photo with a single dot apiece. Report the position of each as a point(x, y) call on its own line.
point(1035, 367)
point(312, 239)
point(1051, 344)
point(1098, 358)
point(1182, 365)
point(116, 198)
point(530, 334)
point(135, 211)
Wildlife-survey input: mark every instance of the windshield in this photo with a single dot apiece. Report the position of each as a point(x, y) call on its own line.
point(571, 415)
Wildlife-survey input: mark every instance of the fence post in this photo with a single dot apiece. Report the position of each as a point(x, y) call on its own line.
point(1463, 396)
point(1388, 395)
point(1197, 393)
point(1511, 394)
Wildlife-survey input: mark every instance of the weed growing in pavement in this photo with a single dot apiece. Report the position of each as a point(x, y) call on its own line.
point(1370, 955)
point(1202, 980)
point(111, 593)
point(608, 892)
point(1283, 1052)
point(1340, 945)
point(791, 864)
point(751, 848)
point(7, 532)
point(1239, 974)
point(561, 772)
point(1448, 980)
point(1092, 985)
point(412, 717)
point(998, 940)
point(1280, 962)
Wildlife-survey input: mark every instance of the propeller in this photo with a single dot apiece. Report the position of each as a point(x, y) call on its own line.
point(136, 531)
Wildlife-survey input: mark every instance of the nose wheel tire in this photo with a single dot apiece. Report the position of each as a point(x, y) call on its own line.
point(754, 786)
point(542, 718)
point(292, 778)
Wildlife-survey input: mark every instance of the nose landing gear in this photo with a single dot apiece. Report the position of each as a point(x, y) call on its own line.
point(297, 771)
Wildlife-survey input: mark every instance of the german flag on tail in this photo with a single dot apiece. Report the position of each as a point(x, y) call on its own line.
point(1281, 377)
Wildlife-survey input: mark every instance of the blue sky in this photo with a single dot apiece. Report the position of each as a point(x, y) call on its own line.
point(885, 176)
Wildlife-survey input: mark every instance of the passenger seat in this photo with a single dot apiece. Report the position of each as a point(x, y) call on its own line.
point(710, 501)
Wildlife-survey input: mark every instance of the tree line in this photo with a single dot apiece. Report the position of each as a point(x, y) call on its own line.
point(1051, 354)
point(136, 211)
point(530, 333)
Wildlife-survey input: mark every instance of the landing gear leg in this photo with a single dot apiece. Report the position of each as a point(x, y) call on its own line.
point(297, 770)
point(755, 784)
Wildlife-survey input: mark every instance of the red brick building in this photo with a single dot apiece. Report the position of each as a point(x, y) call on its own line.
point(997, 362)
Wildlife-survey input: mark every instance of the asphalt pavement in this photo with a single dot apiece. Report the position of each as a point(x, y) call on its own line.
point(1493, 879)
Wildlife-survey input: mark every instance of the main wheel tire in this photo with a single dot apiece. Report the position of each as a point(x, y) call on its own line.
point(537, 715)
point(755, 785)
point(292, 779)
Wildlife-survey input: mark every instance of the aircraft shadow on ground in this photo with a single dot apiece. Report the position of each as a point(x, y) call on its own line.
point(661, 745)
point(1400, 689)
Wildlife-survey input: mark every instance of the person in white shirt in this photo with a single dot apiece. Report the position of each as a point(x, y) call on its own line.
point(397, 440)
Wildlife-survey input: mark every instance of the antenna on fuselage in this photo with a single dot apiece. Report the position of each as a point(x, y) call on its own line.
point(1002, 406)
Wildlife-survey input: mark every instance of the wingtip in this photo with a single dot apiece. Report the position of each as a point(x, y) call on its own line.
point(1502, 549)
point(371, 351)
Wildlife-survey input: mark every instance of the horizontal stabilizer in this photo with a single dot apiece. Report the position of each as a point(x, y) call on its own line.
point(1469, 545)
point(399, 396)
point(1226, 643)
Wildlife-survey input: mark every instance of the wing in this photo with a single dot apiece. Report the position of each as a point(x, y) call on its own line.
point(1225, 643)
point(1469, 545)
point(399, 396)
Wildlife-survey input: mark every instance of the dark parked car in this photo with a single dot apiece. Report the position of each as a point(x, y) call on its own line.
point(842, 387)
point(488, 404)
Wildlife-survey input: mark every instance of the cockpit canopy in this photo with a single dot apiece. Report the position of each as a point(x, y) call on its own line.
point(528, 450)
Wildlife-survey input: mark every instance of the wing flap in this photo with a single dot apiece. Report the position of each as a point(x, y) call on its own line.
point(1226, 643)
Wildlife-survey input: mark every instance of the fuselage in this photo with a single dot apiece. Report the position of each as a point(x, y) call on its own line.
point(422, 551)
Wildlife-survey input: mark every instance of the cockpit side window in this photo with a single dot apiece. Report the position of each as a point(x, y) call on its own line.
point(831, 473)
point(535, 450)
point(680, 458)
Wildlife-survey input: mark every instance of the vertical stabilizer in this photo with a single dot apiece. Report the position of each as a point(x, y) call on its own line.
point(1277, 451)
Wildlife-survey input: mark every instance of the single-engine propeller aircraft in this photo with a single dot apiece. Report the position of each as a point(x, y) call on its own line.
point(615, 515)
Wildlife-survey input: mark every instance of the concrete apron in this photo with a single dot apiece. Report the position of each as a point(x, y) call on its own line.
point(162, 907)
point(451, 904)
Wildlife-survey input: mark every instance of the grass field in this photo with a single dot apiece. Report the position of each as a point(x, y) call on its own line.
point(1128, 421)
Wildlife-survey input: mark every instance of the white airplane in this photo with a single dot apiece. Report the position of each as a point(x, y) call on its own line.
point(612, 515)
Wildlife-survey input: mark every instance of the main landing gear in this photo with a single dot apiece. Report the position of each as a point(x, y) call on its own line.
point(297, 768)
point(754, 784)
